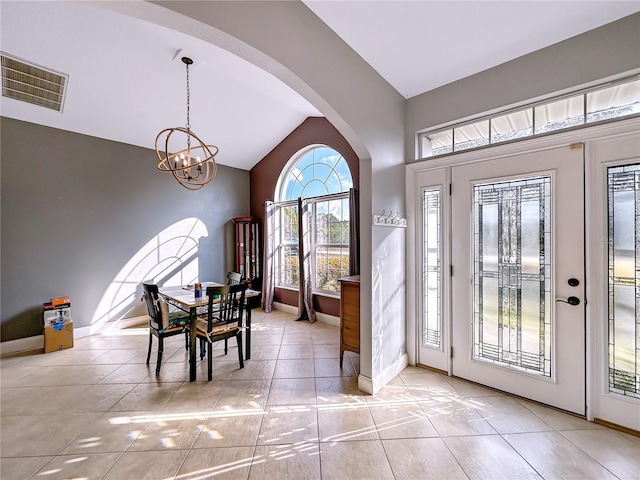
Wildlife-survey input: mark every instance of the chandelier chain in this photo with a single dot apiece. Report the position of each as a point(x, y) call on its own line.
point(188, 125)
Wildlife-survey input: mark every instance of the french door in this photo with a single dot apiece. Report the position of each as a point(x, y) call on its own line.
point(509, 248)
point(517, 257)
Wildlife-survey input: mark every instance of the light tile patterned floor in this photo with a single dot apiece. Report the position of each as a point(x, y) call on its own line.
point(98, 412)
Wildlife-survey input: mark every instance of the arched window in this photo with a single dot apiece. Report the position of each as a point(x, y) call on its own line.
point(319, 175)
point(314, 171)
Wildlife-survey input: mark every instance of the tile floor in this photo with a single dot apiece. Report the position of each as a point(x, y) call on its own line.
point(98, 412)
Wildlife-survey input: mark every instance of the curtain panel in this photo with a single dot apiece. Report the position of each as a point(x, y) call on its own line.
point(305, 290)
point(354, 232)
point(268, 281)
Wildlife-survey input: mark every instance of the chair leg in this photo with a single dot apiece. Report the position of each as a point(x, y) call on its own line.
point(225, 346)
point(149, 351)
point(239, 339)
point(210, 361)
point(202, 348)
point(160, 349)
point(186, 341)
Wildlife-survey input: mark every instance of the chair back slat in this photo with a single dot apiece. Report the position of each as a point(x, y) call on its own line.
point(230, 307)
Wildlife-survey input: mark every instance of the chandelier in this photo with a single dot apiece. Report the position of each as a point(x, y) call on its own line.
point(189, 160)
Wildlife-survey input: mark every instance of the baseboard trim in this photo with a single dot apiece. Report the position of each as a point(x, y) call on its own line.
point(393, 370)
point(373, 386)
point(615, 426)
point(365, 384)
point(322, 317)
point(36, 342)
point(22, 345)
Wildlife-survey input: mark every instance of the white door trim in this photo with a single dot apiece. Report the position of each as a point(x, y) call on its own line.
point(589, 136)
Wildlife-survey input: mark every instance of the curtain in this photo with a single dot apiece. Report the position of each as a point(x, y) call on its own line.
point(268, 279)
point(354, 232)
point(305, 292)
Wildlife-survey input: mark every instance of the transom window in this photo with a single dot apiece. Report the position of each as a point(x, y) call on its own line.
point(579, 109)
point(321, 176)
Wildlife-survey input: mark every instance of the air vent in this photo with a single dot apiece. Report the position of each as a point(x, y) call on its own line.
point(32, 83)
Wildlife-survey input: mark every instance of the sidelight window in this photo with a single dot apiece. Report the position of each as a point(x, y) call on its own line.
point(431, 269)
point(624, 279)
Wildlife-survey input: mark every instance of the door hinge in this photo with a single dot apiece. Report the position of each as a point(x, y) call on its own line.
point(451, 353)
point(575, 146)
point(451, 270)
point(449, 189)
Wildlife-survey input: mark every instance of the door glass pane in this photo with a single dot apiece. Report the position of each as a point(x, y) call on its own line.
point(624, 279)
point(511, 274)
point(431, 269)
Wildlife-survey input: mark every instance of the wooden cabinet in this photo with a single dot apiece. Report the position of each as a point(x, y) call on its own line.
point(249, 250)
point(349, 315)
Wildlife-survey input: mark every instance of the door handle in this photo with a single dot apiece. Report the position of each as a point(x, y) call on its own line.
point(571, 301)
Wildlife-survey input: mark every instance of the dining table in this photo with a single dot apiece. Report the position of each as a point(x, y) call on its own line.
point(185, 299)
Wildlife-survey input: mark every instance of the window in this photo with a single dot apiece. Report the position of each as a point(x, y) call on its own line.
point(320, 175)
point(599, 104)
point(431, 269)
point(623, 184)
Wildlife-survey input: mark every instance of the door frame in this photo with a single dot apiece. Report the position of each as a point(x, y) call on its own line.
point(606, 407)
point(590, 137)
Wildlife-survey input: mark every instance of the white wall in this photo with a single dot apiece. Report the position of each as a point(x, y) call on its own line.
point(610, 50)
point(289, 41)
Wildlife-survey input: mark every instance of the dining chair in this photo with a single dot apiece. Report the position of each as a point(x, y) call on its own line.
point(223, 320)
point(234, 278)
point(162, 323)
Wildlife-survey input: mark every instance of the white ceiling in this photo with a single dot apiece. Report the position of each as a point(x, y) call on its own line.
point(421, 45)
point(126, 80)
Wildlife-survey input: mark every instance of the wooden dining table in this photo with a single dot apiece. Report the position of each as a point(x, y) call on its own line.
point(183, 297)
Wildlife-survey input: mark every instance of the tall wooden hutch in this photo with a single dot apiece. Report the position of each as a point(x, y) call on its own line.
point(248, 251)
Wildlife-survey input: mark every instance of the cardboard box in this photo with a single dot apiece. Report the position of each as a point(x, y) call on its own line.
point(58, 310)
point(58, 337)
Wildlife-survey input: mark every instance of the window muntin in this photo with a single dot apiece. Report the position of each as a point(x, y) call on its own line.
point(320, 175)
point(598, 104)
